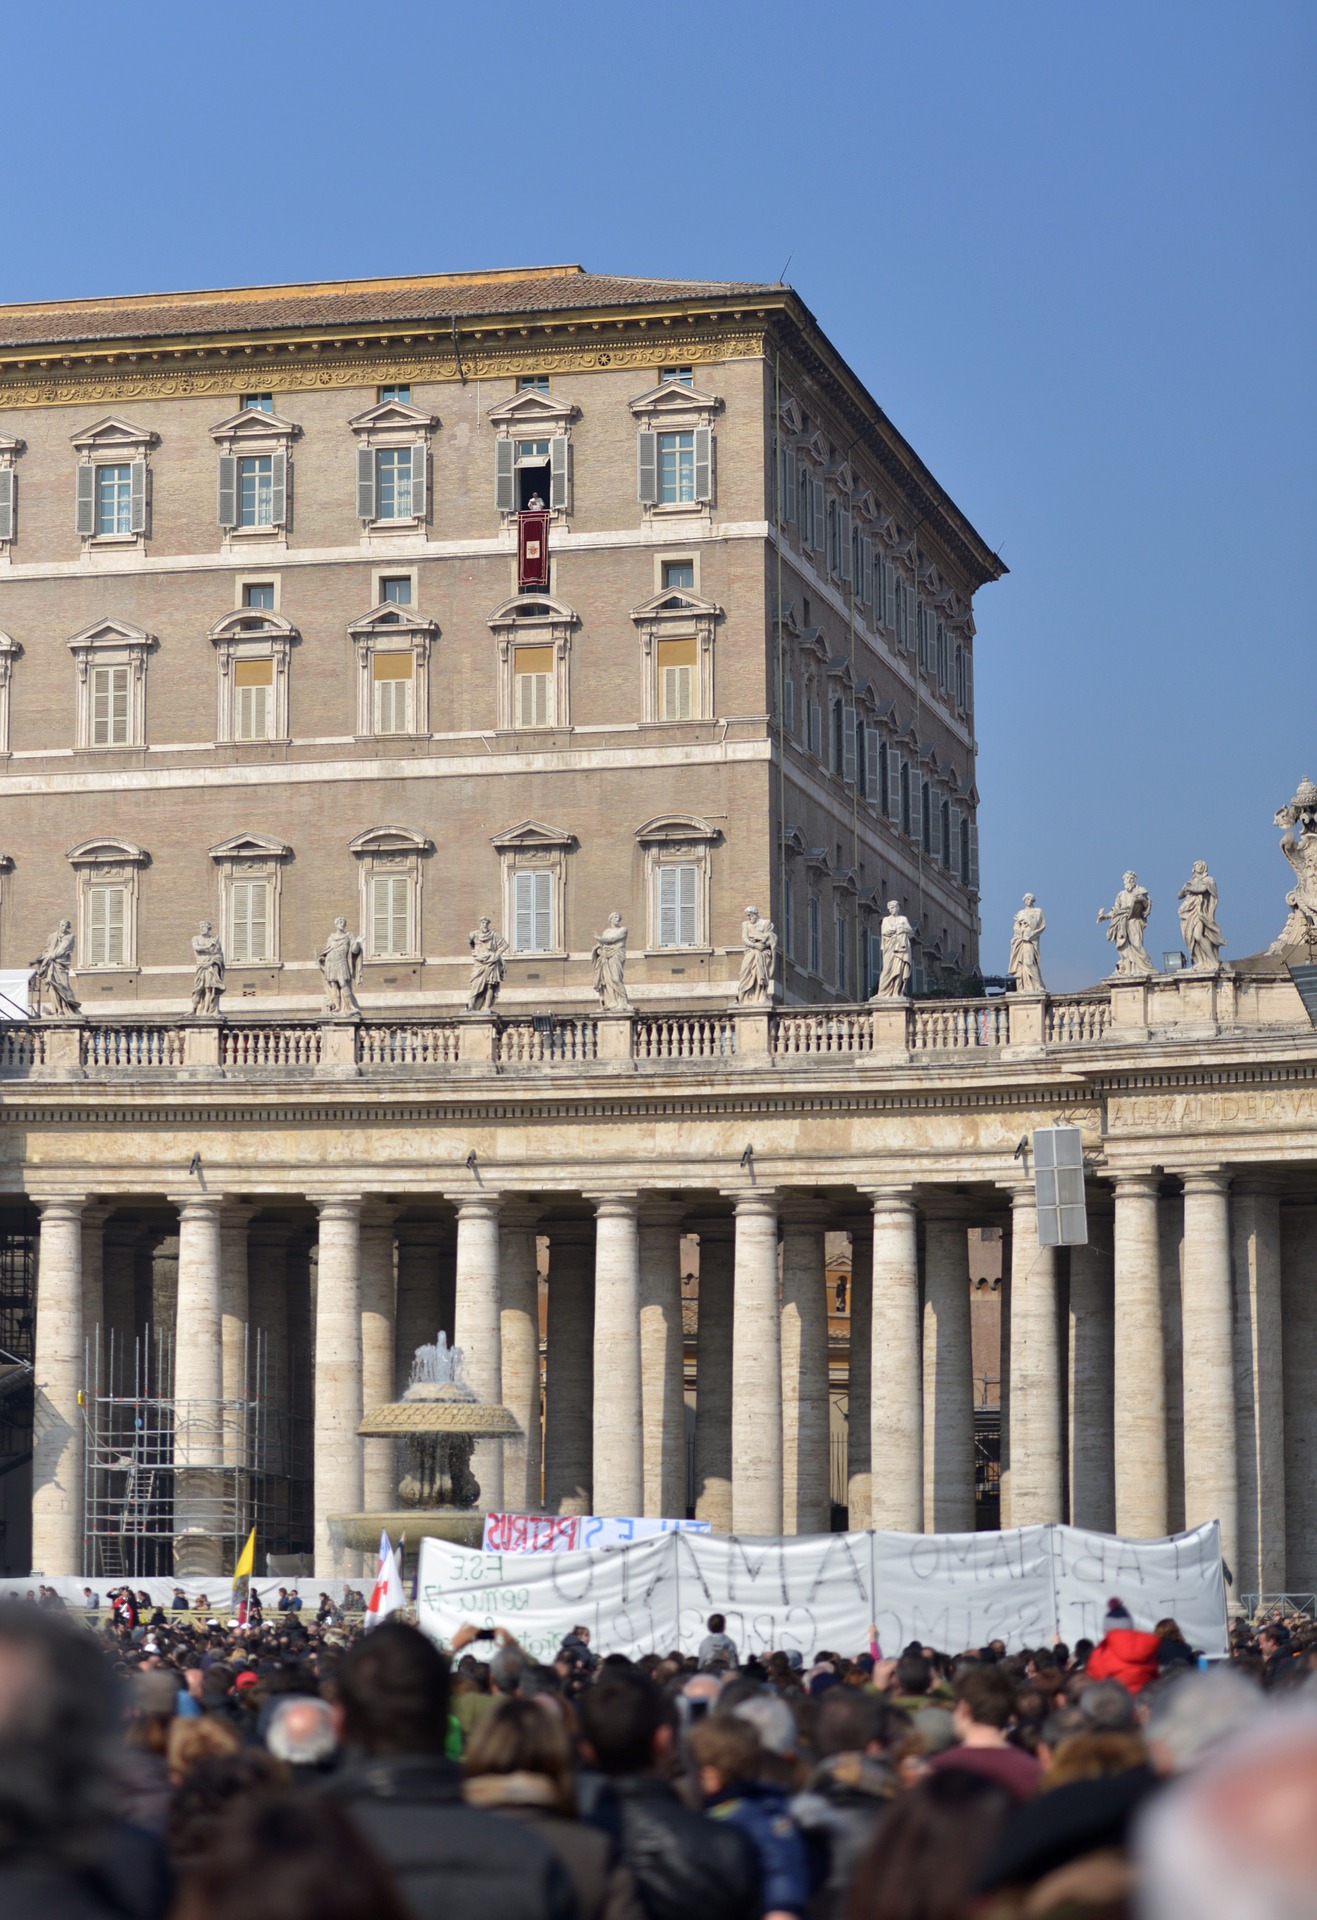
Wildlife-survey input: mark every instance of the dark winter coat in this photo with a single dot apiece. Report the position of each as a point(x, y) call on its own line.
point(684, 1864)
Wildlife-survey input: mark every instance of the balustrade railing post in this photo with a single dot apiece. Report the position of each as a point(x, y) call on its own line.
point(891, 1028)
point(338, 1044)
point(1028, 1020)
point(615, 1036)
point(754, 1035)
point(201, 1041)
point(64, 1047)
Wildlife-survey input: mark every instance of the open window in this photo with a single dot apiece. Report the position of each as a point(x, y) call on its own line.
point(393, 441)
point(533, 452)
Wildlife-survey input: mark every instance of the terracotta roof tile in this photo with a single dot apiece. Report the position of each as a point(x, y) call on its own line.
point(434, 301)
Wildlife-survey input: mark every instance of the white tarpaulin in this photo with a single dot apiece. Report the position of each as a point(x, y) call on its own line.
point(824, 1590)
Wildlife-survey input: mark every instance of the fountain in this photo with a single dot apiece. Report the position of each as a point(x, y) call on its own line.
point(439, 1419)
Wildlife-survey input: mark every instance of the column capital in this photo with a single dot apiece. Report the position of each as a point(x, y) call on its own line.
point(338, 1206)
point(802, 1210)
point(945, 1204)
point(520, 1213)
point(614, 1206)
point(1126, 1184)
point(657, 1211)
point(890, 1199)
point(1206, 1180)
point(478, 1206)
point(755, 1200)
point(196, 1206)
point(421, 1233)
point(376, 1212)
point(59, 1206)
point(569, 1233)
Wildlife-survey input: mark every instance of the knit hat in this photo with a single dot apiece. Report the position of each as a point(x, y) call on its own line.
point(1118, 1615)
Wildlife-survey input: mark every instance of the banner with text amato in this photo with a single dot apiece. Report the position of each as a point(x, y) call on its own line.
point(824, 1590)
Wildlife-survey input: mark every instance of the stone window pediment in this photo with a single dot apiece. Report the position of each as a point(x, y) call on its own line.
point(817, 448)
point(678, 852)
point(845, 479)
point(790, 415)
point(108, 873)
point(819, 862)
point(865, 506)
point(381, 840)
point(672, 405)
point(532, 836)
point(249, 868)
point(253, 431)
point(676, 603)
point(251, 846)
point(530, 625)
point(677, 830)
point(532, 610)
point(390, 870)
point(252, 644)
point(392, 419)
point(114, 437)
point(793, 841)
point(676, 630)
point(533, 414)
point(389, 623)
point(108, 852)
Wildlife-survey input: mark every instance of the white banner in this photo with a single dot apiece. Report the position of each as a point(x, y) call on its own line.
point(561, 1533)
point(822, 1591)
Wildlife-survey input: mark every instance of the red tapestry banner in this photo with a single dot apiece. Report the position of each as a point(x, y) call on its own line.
point(533, 549)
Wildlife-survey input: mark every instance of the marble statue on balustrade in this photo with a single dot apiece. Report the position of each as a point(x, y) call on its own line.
point(487, 967)
point(895, 937)
point(609, 956)
point(1027, 931)
point(1300, 850)
point(754, 988)
point(1127, 920)
point(340, 961)
point(208, 981)
point(50, 972)
point(1203, 938)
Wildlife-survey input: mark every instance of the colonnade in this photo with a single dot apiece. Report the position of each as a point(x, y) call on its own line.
point(1164, 1374)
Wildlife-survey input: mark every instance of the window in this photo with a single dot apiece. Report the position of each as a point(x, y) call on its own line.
point(390, 916)
point(814, 716)
point(815, 936)
point(677, 667)
point(256, 490)
point(114, 499)
point(678, 898)
point(397, 396)
point(253, 690)
point(926, 829)
point(249, 921)
point(679, 575)
point(789, 704)
point(902, 622)
point(533, 673)
point(393, 483)
point(259, 594)
point(946, 833)
point(533, 911)
point(392, 676)
point(676, 376)
point(905, 798)
point(841, 936)
point(396, 590)
point(106, 918)
point(964, 848)
point(111, 707)
point(806, 513)
point(533, 449)
point(256, 403)
point(533, 383)
point(676, 452)
point(252, 649)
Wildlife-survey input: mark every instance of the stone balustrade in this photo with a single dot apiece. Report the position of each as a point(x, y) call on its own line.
point(884, 1033)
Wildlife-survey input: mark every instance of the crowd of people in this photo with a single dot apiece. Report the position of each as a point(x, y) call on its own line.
point(156, 1762)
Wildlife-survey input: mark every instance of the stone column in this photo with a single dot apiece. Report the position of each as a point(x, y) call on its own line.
point(1259, 1386)
point(379, 1476)
point(234, 1314)
point(1170, 1235)
point(1004, 1370)
point(1211, 1474)
point(338, 1452)
point(199, 1505)
point(1036, 1482)
point(896, 1397)
point(477, 1329)
point(661, 1360)
point(756, 1369)
point(619, 1451)
point(569, 1369)
point(93, 1270)
point(519, 1320)
point(948, 1377)
point(806, 1494)
point(859, 1438)
point(713, 1378)
point(1138, 1363)
point(1298, 1274)
point(419, 1309)
point(57, 1437)
point(1092, 1381)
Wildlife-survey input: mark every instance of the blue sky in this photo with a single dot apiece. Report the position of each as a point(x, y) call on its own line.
point(1068, 246)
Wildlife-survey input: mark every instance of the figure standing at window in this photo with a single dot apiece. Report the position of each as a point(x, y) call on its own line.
point(535, 504)
point(208, 983)
point(609, 958)
point(340, 967)
point(50, 970)
point(758, 962)
point(487, 967)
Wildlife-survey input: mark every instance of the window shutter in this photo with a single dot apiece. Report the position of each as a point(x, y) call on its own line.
point(889, 587)
point(820, 517)
point(788, 483)
point(955, 843)
point(872, 749)
point(916, 795)
point(845, 556)
point(687, 877)
point(848, 745)
point(704, 463)
point(838, 733)
point(806, 509)
point(365, 483)
point(543, 912)
point(560, 468)
point(524, 898)
point(505, 476)
point(668, 906)
point(973, 856)
point(227, 513)
point(85, 520)
point(789, 705)
point(866, 570)
point(382, 929)
point(279, 490)
point(114, 946)
point(419, 462)
point(8, 489)
point(926, 816)
point(647, 468)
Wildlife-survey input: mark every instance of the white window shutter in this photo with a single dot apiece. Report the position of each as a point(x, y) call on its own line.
point(560, 469)
point(667, 931)
point(137, 496)
point(704, 463)
point(848, 745)
point(647, 468)
point(688, 930)
point(85, 504)
point(8, 492)
point(365, 483)
point(523, 886)
point(820, 517)
point(227, 507)
point(279, 490)
point(419, 489)
point(114, 919)
point(543, 912)
point(505, 476)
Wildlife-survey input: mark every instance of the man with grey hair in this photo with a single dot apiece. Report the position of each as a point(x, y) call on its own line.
point(302, 1733)
point(1195, 1715)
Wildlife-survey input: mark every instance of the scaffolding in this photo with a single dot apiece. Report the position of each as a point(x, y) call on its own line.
point(174, 1487)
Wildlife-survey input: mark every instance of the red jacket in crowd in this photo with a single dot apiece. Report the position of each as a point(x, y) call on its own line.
point(1125, 1655)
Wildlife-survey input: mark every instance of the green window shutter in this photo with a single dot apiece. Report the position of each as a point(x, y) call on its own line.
point(505, 476)
point(85, 504)
point(647, 468)
point(228, 490)
point(279, 490)
point(419, 490)
point(560, 472)
point(365, 483)
point(137, 497)
point(704, 463)
point(8, 495)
